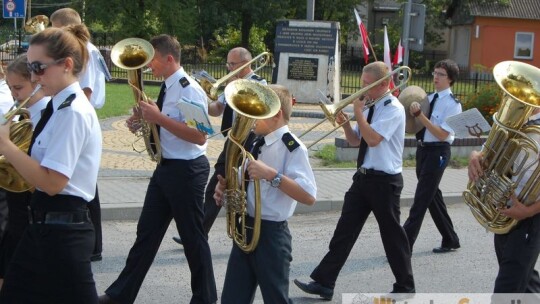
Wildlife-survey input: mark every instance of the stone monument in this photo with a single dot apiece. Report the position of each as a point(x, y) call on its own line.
point(307, 57)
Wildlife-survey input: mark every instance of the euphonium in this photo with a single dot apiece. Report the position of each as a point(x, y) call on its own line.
point(510, 155)
point(20, 134)
point(251, 101)
point(132, 54)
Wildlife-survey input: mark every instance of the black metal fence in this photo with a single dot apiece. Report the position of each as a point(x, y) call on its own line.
point(12, 44)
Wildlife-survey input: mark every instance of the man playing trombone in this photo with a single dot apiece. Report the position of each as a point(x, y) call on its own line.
point(376, 186)
point(236, 58)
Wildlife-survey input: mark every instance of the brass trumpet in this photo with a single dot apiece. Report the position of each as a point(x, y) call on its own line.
point(36, 24)
point(211, 86)
point(330, 111)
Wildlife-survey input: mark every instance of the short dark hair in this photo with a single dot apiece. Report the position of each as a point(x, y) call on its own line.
point(167, 45)
point(451, 68)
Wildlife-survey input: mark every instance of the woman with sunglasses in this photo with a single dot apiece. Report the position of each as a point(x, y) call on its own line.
point(52, 262)
point(22, 87)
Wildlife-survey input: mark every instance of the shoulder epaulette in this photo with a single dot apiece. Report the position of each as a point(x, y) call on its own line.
point(184, 82)
point(454, 98)
point(290, 142)
point(67, 102)
point(256, 77)
point(387, 102)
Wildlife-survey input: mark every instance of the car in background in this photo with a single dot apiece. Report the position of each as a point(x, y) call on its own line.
point(13, 44)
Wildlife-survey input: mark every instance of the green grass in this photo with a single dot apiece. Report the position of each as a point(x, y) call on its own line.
point(119, 99)
point(327, 155)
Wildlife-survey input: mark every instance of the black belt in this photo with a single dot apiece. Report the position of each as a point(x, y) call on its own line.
point(433, 143)
point(372, 172)
point(58, 217)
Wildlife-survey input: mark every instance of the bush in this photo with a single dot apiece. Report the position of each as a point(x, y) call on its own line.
point(486, 100)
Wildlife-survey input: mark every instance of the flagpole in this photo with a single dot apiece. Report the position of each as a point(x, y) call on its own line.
point(371, 47)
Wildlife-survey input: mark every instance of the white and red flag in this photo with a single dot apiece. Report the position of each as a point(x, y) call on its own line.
point(398, 56)
point(363, 35)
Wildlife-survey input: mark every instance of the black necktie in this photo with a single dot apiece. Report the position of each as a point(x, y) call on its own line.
point(159, 103)
point(45, 116)
point(257, 144)
point(420, 134)
point(226, 121)
point(363, 144)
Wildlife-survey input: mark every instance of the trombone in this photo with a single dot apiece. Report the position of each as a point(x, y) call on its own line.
point(210, 86)
point(330, 111)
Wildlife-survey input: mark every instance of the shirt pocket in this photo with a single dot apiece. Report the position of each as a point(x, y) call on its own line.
point(174, 113)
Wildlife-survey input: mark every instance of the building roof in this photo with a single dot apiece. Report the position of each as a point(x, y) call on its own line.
point(518, 9)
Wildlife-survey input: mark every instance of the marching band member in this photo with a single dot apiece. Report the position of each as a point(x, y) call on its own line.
point(52, 262)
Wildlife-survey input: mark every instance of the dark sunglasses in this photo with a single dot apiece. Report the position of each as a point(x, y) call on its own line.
point(39, 68)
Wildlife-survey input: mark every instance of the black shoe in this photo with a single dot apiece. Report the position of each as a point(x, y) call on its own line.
point(316, 289)
point(96, 257)
point(105, 299)
point(178, 240)
point(401, 295)
point(444, 249)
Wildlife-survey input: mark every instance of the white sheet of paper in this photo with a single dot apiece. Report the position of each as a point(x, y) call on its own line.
point(468, 124)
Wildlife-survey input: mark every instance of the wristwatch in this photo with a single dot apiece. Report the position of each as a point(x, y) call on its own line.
point(276, 181)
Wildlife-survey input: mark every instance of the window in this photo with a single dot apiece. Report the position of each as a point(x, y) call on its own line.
point(523, 48)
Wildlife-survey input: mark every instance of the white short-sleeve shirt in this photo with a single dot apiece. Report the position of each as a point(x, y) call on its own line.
point(37, 109)
point(70, 143)
point(276, 205)
point(179, 85)
point(389, 121)
point(6, 100)
point(445, 107)
point(93, 77)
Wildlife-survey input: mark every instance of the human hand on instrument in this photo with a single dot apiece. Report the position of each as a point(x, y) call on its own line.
point(341, 117)
point(133, 122)
point(4, 135)
point(415, 109)
point(475, 167)
point(259, 170)
point(150, 111)
point(360, 103)
point(517, 211)
point(220, 190)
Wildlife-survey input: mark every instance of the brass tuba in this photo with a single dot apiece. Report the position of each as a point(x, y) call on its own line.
point(510, 155)
point(36, 24)
point(132, 54)
point(251, 101)
point(20, 133)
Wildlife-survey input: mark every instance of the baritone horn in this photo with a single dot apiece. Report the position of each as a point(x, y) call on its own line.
point(331, 110)
point(211, 87)
point(510, 154)
point(251, 101)
point(133, 54)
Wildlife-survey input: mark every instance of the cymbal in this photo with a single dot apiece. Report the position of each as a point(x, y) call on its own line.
point(409, 95)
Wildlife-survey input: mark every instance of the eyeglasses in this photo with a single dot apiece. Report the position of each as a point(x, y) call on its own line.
point(39, 68)
point(231, 64)
point(438, 74)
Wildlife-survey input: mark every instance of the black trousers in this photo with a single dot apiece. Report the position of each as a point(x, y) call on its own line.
point(18, 204)
point(431, 161)
point(268, 267)
point(176, 190)
point(94, 207)
point(517, 253)
point(3, 212)
point(379, 194)
point(52, 262)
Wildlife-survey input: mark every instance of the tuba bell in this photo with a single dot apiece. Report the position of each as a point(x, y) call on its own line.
point(20, 134)
point(510, 154)
point(132, 54)
point(251, 101)
point(36, 24)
